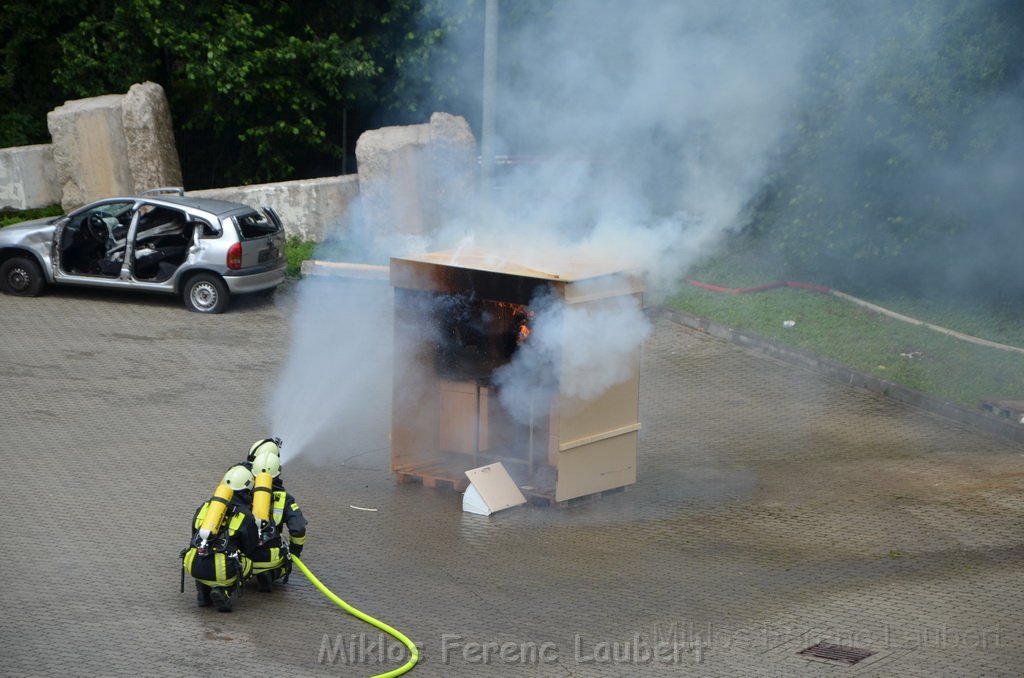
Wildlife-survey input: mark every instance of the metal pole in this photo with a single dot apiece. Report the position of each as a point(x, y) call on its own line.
point(530, 459)
point(344, 141)
point(490, 84)
point(476, 434)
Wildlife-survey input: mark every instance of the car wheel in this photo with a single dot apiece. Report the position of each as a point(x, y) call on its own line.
point(206, 293)
point(21, 277)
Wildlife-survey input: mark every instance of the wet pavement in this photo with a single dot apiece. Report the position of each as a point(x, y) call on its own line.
point(776, 508)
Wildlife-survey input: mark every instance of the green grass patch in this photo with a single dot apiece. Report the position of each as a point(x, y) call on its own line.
point(8, 218)
point(297, 250)
point(866, 341)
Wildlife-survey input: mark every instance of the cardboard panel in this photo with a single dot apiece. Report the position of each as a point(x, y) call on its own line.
point(418, 275)
point(491, 489)
point(459, 411)
point(602, 465)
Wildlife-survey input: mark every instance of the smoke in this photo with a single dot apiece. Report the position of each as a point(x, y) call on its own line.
point(332, 399)
point(644, 131)
point(655, 124)
point(577, 352)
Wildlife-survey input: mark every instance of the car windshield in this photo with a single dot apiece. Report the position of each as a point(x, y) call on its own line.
point(255, 224)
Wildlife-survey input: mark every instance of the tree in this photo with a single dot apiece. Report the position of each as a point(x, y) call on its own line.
point(255, 87)
point(28, 50)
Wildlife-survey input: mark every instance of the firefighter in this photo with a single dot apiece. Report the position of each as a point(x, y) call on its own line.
point(271, 560)
point(224, 540)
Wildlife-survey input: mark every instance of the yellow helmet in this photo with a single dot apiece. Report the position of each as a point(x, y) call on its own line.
point(267, 461)
point(239, 478)
point(271, 444)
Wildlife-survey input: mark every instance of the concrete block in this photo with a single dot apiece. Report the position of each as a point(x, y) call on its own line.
point(413, 178)
point(28, 178)
point(149, 133)
point(90, 150)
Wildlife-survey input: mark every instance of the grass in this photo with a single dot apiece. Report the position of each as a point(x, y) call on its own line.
point(297, 250)
point(914, 356)
point(8, 218)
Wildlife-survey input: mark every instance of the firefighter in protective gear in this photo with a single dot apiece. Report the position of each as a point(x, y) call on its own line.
point(271, 560)
point(224, 539)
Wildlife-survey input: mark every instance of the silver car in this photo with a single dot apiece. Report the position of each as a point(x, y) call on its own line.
point(161, 241)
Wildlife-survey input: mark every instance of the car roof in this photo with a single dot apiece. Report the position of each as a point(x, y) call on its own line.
point(219, 208)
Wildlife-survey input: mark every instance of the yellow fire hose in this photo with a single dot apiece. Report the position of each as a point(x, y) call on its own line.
point(414, 654)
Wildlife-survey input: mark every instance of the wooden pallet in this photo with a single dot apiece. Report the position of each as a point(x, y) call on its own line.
point(449, 474)
point(546, 498)
point(441, 476)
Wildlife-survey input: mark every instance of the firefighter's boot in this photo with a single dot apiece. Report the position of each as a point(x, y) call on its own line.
point(221, 598)
point(265, 582)
point(203, 595)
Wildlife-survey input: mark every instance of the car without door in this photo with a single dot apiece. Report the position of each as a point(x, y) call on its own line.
point(161, 241)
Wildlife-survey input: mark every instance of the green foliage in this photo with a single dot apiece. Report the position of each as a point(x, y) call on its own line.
point(28, 51)
point(297, 250)
point(6, 219)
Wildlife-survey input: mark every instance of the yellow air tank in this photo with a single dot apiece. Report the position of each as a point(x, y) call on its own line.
point(215, 513)
point(261, 497)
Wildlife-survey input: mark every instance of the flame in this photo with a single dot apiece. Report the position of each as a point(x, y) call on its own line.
point(522, 316)
point(524, 326)
point(524, 333)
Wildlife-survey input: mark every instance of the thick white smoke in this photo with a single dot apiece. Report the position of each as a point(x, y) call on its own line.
point(577, 352)
point(332, 399)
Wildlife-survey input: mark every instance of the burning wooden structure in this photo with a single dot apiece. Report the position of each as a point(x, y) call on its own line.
point(462, 316)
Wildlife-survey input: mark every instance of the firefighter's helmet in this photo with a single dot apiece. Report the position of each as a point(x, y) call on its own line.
point(239, 478)
point(267, 461)
point(270, 444)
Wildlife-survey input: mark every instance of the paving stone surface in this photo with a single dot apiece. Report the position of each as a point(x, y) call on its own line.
point(775, 509)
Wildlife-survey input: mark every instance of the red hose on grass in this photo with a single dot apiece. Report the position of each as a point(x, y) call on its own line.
point(761, 288)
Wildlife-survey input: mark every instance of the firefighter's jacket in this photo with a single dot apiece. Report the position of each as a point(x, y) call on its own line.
point(284, 512)
point(229, 561)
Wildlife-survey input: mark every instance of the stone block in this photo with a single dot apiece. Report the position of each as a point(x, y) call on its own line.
point(28, 178)
point(149, 133)
point(413, 179)
point(90, 150)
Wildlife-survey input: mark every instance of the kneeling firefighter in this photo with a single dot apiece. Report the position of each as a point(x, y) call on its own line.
point(224, 540)
point(273, 507)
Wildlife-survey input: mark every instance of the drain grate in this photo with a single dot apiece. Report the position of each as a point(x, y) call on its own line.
point(838, 653)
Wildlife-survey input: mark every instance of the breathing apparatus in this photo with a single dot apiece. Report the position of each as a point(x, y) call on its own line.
point(218, 506)
point(261, 496)
point(267, 466)
point(237, 478)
